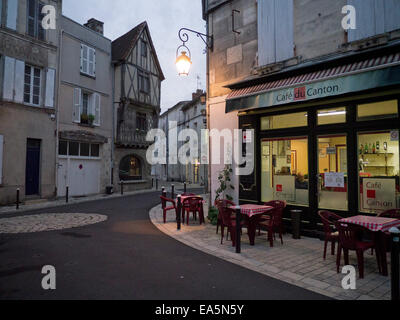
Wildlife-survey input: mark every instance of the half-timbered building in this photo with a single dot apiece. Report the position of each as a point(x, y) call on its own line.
point(138, 77)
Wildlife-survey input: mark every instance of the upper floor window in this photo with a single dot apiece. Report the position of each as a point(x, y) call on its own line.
point(144, 48)
point(86, 108)
point(275, 31)
point(9, 13)
point(144, 82)
point(34, 19)
point(141, 121)
point(88, 60)
point(374, 17)
point(32, 85)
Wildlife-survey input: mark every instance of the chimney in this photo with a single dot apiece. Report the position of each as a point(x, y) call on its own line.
point(197, 94)
point(95, 25)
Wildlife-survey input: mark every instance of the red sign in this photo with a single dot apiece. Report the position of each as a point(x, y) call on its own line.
point(279, 188)
point(300, 93)
point(371, 194)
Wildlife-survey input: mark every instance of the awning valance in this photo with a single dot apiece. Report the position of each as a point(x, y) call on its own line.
point(363, 75)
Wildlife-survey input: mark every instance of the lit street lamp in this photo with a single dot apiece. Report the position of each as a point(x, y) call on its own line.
point(183, 61)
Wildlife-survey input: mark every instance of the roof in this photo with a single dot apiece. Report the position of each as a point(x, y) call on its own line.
point(122, 47)
point(380, 61)
point(180, 104)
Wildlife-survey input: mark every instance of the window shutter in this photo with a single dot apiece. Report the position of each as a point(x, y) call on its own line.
point(31, 17)
point(76, 114)
point(50, 84)
point(81, 57)
point(392, 9)
point(97, 102)
point(40, 30)
point(92, 61)
point(19, 81)
point(12, 14)
point(1, 158)
point(284, 31)
point(266, 32)
point(9, 78)
point(1, 12)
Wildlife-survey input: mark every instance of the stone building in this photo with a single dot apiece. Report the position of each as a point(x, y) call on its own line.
point(137, 85)
point(85, 117)
point(28, 100)
point(322, 99)
point(184, 115)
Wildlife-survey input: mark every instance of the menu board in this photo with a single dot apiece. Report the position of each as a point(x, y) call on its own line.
point(334, 180)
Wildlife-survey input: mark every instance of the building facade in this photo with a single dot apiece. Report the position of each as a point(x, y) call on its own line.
point(28, 104)
point(137, 85)
point(85, 117)
point(184, 115)
point(323, 101)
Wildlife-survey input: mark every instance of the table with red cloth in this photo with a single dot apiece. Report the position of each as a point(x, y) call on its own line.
point(252, 214)
point(378, 226)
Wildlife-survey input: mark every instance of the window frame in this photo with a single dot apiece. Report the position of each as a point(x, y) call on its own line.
point(38, 31)
point(143, 78)
point(31, 86)
point(68, 156)
point(86, 61)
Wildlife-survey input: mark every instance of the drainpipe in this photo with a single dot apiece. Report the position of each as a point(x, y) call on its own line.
point(209, 181)
point(60, 42)
point(113, 125)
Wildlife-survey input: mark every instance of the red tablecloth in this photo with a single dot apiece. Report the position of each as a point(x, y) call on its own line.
point(374, 224)
point(252, 209)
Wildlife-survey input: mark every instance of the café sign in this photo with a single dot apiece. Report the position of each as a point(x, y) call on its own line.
point(379, 194)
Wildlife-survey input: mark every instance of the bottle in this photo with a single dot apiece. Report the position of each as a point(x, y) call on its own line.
point(366, 148)
point(362, 149)
point(377, 147)
point(385, 146)
point(373, 148)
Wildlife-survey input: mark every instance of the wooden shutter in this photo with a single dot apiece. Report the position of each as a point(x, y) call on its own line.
point(41, 32)
point(92, 61)
point(284, 25)
point(1, 158)
point(97, 104)
point(12, 14)
point(19, 81)
point(77, 106)
point(84, 58)
point(9, 78)
point(266, 32)
point(50, 85)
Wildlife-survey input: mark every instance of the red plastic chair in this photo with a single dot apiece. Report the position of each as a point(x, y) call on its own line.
point(349, 239)
point(394, 214)
point(226, 214)
point(194, 205)
point(273, 222)
point(223, 203)
point(331, 234)
point(164, 202)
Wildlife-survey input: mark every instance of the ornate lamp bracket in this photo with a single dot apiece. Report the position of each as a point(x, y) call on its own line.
point(184, 37)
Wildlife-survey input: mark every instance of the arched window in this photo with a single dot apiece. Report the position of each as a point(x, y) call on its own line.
point(130, 168)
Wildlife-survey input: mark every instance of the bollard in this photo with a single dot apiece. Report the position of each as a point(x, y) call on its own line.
point(173, 192)
point(179, 213)
point(122, 187)
point(238, 229)
point(156, 184)
point(395, 280)
point(66, 194)
point(163, 191)
point(152, 183)
point(18, 199)
point(184, 187)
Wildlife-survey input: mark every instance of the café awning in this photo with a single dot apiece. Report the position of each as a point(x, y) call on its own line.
point(377, 71)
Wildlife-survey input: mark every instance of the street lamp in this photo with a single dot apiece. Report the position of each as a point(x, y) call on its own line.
point(183, 61)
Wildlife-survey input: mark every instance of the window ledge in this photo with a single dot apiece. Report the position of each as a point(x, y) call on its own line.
point(88, 75)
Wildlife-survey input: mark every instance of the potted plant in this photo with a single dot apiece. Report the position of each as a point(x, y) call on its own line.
point(91, 118)
point(84, 118)
point(213, 215)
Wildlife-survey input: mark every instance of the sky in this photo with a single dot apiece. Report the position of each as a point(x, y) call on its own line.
point(165, 18)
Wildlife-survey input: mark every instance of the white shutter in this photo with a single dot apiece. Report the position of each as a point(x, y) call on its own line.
point(76, 113)
point(392, 20)
point(12, 14)
point(97, 103)
point(284, 29)
point(81, 57)
point(50, 84)
point(1, 158)
point(266, 32)
point(92, 61)
point(84, 59)
point(9, 78)
point(19, 81)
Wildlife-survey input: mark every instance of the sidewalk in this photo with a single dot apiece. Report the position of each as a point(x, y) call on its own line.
point(298, 262)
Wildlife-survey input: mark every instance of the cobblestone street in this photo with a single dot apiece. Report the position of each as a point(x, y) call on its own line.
point(298, 262)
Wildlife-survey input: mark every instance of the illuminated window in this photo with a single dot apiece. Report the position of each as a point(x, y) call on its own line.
point(331, 116)
point(130, 169)
point(377, 110)
point(292, 120)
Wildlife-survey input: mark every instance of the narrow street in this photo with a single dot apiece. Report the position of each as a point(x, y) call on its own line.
point(125, 257)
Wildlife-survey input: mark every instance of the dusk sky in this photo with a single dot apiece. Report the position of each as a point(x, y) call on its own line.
point(164, 18)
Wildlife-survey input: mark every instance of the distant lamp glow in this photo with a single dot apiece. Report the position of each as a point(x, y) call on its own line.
point(183, 64)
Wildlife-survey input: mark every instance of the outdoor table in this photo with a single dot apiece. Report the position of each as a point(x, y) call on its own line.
point(378, 226)
point(252, 213)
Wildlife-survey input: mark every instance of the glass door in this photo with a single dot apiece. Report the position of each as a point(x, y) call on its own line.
point(332, 172)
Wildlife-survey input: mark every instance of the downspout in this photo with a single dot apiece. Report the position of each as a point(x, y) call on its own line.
point(113, 124)
point(209, 181)
point(60, 42)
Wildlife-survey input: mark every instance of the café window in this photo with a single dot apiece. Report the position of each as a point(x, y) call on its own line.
point(130, 169)
point(379, 171)
point(292, 120)
point(284, 174)
point(377, 110)
point(331, 116)
point(332, 168)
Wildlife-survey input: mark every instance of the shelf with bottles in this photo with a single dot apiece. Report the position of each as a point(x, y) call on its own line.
point(374, 148)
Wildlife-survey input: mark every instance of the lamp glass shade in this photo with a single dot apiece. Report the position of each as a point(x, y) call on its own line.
point(183, 64)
